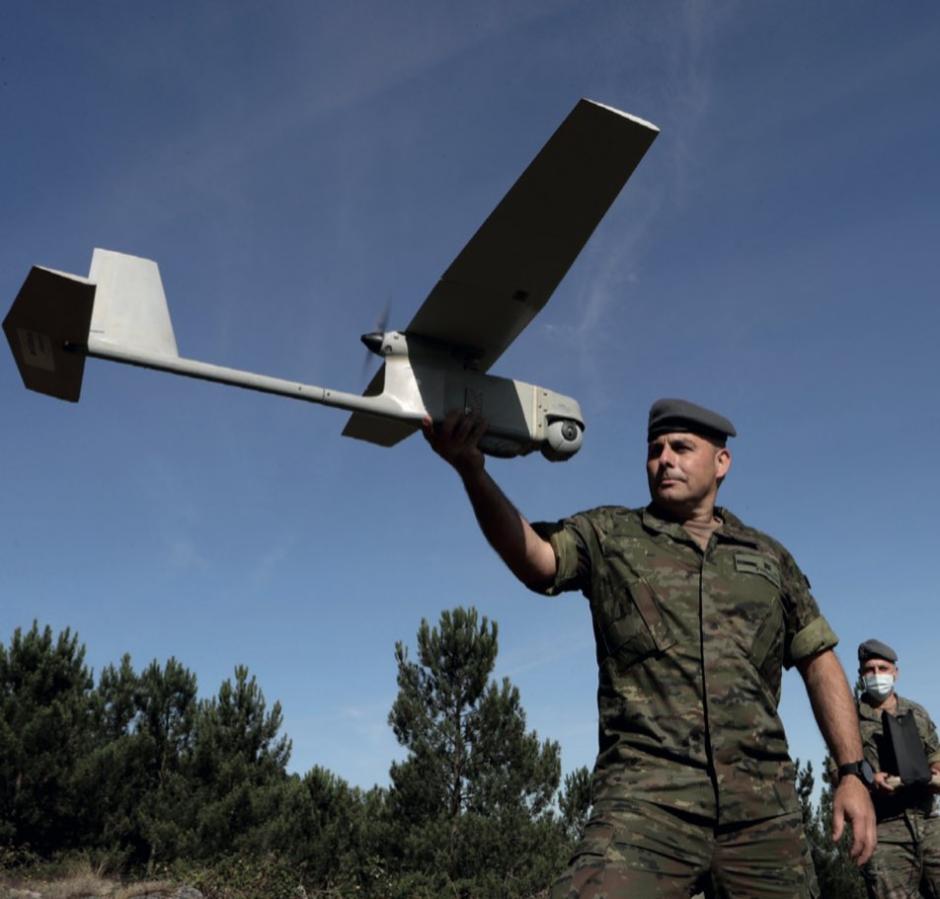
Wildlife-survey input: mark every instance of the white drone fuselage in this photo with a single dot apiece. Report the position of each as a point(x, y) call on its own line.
point(421, 380)
point(520, 417)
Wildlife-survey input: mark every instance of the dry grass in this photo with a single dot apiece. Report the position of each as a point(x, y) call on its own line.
point(81, 886)
point(77, 880)
point(86, 887)
point(83, 880)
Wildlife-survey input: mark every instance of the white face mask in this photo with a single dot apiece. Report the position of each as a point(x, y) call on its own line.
point(879, 686)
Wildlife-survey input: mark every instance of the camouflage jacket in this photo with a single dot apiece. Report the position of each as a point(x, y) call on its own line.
point(690, 646)
point(910, 799)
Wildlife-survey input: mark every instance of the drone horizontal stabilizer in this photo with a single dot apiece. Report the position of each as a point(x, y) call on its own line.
point(51, 312)
point(376, 429)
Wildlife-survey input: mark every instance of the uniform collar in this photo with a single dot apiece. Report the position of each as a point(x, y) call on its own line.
point(731, 530)
point(654, 522)
point(867, 710)
point(734, 530)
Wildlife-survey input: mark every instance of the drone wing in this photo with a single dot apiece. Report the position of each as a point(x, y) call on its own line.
point(512, 265)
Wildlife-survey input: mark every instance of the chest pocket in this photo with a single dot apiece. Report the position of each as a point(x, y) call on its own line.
point(767, 646)
point(628, 620)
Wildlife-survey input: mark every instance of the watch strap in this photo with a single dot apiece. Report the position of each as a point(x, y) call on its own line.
point(861, 769)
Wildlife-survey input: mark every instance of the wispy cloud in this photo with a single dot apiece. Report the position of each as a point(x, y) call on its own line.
point(272, 559)
point(689, 42)
point(547, 652)
point(689, 83)
point(373, 735)
point(183, 554)
point(317, 78)
point(175, 515)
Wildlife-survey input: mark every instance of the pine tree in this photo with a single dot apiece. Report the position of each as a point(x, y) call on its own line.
point(836, 872)
point(472, 799)
point(575, 802)
point(238, 769)
point(332, 832)
point(46, 726)
point(138, 803)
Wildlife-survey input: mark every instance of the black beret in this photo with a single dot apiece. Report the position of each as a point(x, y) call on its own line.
point(680, 416)
point(875, 649)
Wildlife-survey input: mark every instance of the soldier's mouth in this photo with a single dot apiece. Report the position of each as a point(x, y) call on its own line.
point(668, 482)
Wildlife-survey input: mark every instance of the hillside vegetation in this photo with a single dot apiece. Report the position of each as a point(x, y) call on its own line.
point(134, 787)
point(140, 777)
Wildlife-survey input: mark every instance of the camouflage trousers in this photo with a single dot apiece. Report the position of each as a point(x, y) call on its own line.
point(641, 850)
point(906, 864)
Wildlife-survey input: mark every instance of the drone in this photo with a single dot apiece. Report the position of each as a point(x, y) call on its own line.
point(439, 362)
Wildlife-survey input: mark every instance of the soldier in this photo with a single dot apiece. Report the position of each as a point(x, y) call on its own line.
point(694, 616)
point(907, 861)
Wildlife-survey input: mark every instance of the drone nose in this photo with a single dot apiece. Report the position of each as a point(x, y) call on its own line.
point(373, 341)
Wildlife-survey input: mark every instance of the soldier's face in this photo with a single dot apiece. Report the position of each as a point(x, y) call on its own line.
point(879, 666)
point(684, 470)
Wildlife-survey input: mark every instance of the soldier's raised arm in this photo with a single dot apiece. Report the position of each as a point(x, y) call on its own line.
point(530, 558)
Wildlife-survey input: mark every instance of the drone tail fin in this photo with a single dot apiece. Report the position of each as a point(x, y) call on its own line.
point(130, 310)
point(57, 316)
point(51, 312)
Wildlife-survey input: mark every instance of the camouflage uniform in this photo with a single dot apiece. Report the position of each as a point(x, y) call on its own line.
point(693, 771)
point(908, 853)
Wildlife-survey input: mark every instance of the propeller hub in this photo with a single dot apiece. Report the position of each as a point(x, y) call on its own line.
point(373, 341)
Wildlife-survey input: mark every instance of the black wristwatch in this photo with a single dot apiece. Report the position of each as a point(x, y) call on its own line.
point(861, 769)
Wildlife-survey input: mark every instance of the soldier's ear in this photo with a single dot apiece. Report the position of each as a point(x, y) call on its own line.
point(723, 461)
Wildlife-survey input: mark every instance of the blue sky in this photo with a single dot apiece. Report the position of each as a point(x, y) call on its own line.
point(294, 166)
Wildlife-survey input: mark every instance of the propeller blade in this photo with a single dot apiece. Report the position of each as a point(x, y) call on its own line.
point(373, 342)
